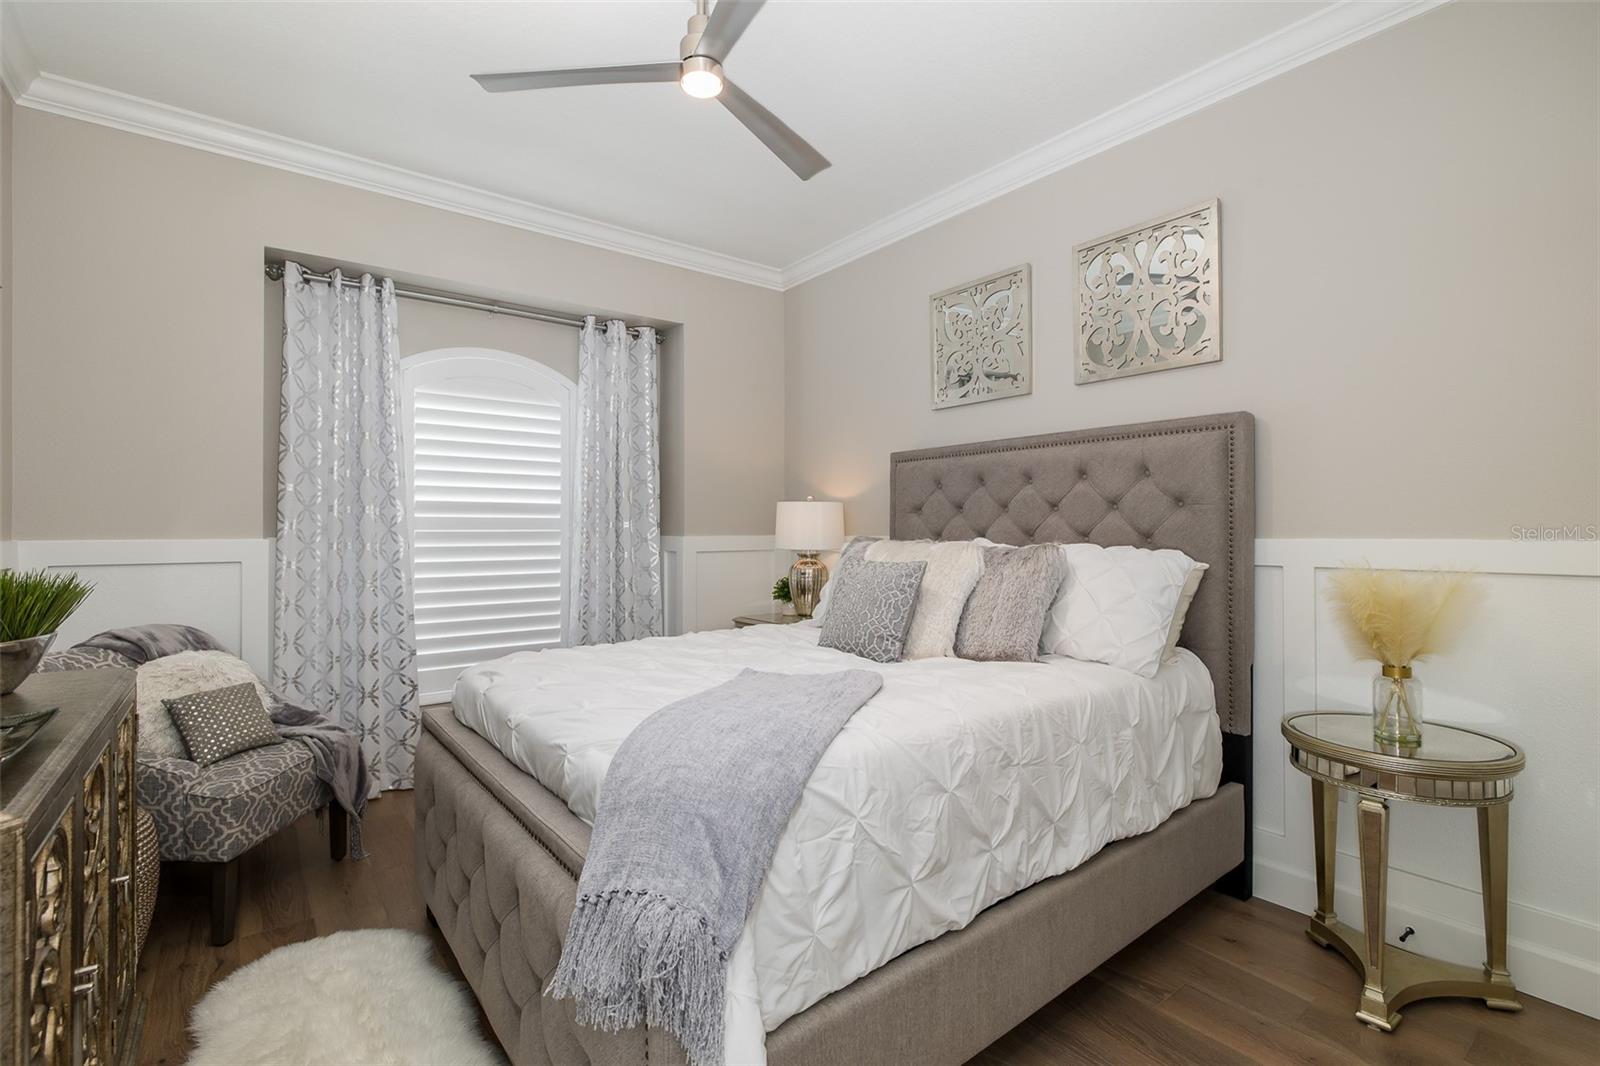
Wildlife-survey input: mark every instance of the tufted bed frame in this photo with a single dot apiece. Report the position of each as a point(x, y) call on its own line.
point(498, 855)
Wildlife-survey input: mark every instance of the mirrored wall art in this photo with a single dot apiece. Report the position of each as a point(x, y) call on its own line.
point(1150, 297)
point(982, 342)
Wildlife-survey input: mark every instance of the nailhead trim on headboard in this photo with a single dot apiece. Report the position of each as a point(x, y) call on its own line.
point(1237, 518)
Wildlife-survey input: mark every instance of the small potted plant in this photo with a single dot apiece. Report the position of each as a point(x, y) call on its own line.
point(33, 604)
point(780, 594)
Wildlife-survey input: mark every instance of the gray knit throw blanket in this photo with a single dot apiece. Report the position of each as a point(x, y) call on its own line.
point(689, 817)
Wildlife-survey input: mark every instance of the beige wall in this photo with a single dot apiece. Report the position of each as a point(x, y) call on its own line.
point(426, 327)
point(5, 314)
point(1410, 246)
point(1410, 232)
point(142, 369)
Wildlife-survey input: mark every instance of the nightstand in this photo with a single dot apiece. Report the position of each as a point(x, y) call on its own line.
point(742, 620)
point(1453, 767)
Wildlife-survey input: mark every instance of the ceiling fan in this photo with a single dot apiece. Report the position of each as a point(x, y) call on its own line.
point(699, 73)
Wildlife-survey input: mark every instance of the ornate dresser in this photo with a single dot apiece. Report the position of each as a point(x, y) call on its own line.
point(67, 929)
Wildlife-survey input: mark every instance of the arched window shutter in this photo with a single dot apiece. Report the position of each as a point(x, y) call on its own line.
point(489, 448)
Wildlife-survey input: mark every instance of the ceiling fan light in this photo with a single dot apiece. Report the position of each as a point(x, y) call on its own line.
point(701, 77)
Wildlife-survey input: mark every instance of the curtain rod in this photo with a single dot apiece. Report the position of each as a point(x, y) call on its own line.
point(449, 299)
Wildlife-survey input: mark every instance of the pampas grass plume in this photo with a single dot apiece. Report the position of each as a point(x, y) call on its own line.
point(1397, 616)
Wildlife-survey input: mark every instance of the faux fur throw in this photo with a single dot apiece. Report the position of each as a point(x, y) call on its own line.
point(689, 817)
point(172, 676)
point(337, 760)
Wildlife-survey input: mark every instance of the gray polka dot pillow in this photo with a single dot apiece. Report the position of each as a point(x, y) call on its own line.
point(222, 722)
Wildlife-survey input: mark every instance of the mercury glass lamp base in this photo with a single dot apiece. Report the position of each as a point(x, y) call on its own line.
point(806, 578)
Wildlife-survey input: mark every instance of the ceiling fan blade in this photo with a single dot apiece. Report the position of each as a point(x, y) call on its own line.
point(728, 21)
point(784, 142)
point(556, 79)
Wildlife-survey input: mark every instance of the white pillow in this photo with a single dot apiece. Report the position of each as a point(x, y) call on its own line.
point(1120, 606)
point(954, 567)
point(182, 674)
point(1191, 585)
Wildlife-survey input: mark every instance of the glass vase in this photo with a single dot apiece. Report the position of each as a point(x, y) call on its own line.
point(1397, 707)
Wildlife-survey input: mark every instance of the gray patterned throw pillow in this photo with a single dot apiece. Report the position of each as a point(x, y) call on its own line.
point(869, 613)
point(1005, 614)
point(221, 722)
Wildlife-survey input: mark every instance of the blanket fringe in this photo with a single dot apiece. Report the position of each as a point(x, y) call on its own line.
point(640, 957)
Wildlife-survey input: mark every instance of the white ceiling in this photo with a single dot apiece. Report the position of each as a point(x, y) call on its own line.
point(906, 98)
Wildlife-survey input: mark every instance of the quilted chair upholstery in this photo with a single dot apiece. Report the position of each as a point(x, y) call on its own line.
point(81, 658)
point(218, 812)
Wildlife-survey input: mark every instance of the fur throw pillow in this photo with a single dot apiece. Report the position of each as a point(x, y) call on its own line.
point(1005, 615)
point(179, 675)
point(954, 567)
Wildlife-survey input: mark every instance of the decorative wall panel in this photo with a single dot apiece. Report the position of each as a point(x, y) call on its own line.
point(710, 578)
point(222, 586)
point(1150, 298)
point(982, 339)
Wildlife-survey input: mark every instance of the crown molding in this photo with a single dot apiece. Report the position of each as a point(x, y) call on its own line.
point(132, 114)
point(1325, 31)
point(1310, 38)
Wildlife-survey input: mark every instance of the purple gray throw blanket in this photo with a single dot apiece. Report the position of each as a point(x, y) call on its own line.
point(336, 759)
point(689, 817)
point(143, 643)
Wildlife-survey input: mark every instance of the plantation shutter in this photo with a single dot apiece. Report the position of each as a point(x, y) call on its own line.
point(491, 451)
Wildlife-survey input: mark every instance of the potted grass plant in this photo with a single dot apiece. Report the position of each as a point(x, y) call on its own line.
point(33, 604)
point(781, 596)
point(1398, 617)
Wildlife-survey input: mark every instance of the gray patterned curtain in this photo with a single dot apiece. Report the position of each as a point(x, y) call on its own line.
point(616, 588)
point(342, 635)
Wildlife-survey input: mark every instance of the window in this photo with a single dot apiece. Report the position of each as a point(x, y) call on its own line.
point(489, 454)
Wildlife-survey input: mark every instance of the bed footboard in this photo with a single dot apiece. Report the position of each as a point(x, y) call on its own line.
point(498, 858)
point(503, 902)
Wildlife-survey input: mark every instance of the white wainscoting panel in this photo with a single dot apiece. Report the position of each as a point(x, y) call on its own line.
point(709, 579)
point(1528, 670)
point(222, 586)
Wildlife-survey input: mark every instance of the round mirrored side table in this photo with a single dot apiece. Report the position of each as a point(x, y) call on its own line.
point(1453, 767)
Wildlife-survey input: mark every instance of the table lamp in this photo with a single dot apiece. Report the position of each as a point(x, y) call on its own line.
point(809, 526)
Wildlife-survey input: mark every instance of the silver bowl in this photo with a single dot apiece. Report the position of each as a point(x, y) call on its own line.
point(19, 657)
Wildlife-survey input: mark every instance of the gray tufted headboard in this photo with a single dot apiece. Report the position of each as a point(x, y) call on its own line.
point(1186, 483)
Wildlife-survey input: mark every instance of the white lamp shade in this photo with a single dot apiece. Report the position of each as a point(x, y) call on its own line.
point(810, 525)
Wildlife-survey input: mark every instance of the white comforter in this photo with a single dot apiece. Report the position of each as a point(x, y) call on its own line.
point(958, 785)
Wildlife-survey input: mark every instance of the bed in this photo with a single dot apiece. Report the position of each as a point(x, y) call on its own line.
point(498, 853)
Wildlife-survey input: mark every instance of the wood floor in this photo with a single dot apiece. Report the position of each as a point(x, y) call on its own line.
point(1218, 982)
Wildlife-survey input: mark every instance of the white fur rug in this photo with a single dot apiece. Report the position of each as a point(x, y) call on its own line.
point(371, 997)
